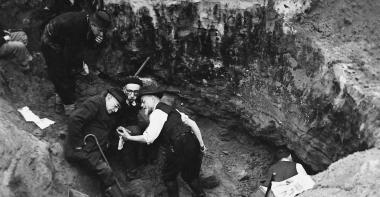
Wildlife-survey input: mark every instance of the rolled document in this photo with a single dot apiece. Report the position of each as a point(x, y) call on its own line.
point(121, 143)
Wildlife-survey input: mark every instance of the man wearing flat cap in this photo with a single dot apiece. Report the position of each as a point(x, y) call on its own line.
point(182, 149)
point(63, 44)
point(97, 116)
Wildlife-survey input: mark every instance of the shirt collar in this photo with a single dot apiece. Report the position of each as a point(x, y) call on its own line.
point(285, 159)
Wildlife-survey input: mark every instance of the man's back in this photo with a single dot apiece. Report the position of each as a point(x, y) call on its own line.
point(69, 28)
point(174, 126)
point(91, 117)
point(283, 170)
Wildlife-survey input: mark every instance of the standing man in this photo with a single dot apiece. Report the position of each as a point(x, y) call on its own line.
point(95, 116)
point(63, 44)
point(171, 97)
point(182, 149)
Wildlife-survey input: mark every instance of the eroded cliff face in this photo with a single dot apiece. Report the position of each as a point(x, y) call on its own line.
point(275, 71)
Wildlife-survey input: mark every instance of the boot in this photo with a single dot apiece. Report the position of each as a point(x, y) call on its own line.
point(197, 188)
point(113, 191)
point(172, 188)
point(69, 109)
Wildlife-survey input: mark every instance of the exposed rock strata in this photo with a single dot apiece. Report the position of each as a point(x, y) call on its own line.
point(279, 79)
point(26, 168)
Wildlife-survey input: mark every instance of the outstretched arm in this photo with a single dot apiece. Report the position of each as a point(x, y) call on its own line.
point(156, 121)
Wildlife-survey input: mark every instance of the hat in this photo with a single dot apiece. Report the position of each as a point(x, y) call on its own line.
point(118, 94)
point(102, 19)
point(151, 90)
point(132, 79)
point(172, 90)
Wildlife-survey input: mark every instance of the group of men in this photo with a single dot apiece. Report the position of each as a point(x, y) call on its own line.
point(114, 115)
point(116, 111)
point(93, 124)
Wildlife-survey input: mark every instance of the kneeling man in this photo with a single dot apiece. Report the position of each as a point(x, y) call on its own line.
point(96, 116)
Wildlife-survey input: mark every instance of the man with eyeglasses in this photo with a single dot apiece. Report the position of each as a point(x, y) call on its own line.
point(132, 153)
point(97, 116)
point(63, 43)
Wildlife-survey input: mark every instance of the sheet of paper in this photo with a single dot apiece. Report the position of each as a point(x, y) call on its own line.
point(292, 186)
point(29, 116)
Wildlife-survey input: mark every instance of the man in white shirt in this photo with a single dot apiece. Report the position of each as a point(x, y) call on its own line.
point(182, 149)
point(170, 96)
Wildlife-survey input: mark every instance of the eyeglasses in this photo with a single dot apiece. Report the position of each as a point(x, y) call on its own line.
point(136, 92)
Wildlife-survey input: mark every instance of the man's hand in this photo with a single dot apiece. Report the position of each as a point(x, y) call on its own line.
point(203, 149)
point(123, 132)
point(85, 70)
point(7, 38)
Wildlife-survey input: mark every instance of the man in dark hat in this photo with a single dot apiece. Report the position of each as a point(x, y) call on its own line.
point(97, 116)
point(182, 149)
point(133, 155)
point(63, 43)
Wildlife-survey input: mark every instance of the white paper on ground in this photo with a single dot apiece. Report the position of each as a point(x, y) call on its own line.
point(292, 186)
point(29, 116)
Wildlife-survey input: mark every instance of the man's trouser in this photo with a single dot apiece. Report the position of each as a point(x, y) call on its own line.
point(15, 49)
point(61, 61)
point(183, 156)
point(132, 153)
point(93, 161)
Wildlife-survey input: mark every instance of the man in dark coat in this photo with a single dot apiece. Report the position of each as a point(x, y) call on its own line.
point(63, 43)
point(284, 168)
point(133, 153)
point(97, 116)
point(182, 150)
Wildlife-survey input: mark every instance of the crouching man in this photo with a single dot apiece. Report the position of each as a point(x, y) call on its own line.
point(13, 47)
point(284, 171)
point(96, 116)
point(182, 150)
